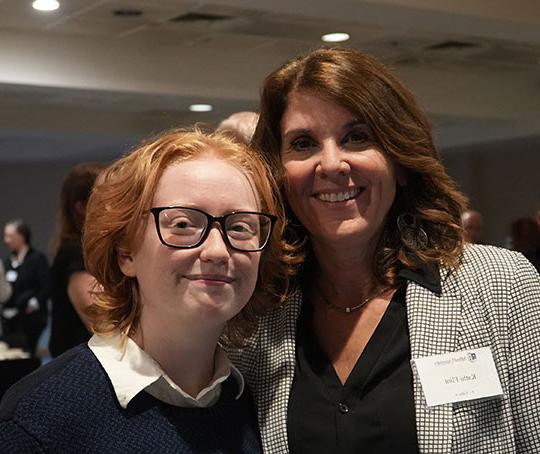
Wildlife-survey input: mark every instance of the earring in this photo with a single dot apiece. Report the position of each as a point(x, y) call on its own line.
point(413, 236)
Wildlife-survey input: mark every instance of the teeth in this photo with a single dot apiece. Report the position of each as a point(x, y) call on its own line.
point(339, 196)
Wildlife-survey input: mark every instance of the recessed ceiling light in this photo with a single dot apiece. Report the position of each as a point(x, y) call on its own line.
point(46, 5)
point(200, 107)
point(335, 37)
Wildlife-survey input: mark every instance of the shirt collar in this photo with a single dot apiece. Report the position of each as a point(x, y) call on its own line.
point(427, 276)
point(131, 370)
point(18, 259)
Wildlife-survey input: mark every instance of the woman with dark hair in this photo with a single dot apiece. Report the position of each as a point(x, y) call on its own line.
point(71, 283)
point(175, 235)
point(386, 278)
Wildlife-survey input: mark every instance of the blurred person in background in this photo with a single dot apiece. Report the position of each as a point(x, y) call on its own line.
point(175, 234)
point(71, 283)
point(473, 223)
point(5, 288)
point(240, 125)
point(24, 315)
point(5, 291)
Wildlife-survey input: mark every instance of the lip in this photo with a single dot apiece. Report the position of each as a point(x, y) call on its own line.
point(216, 279)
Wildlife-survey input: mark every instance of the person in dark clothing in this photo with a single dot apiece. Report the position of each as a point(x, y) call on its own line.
point(71, 283)
point(174, 236)
point(24, 315)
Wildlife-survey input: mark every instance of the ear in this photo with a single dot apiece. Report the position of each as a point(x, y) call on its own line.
point(126, 262)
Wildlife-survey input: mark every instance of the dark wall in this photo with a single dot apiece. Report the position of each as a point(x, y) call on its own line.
point(31, 191)
point(501, 179)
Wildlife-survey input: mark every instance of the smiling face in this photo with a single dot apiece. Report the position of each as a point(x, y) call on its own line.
point(208, 284)
point(340, 185)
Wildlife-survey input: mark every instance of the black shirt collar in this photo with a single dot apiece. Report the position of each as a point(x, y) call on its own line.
point(426, 276)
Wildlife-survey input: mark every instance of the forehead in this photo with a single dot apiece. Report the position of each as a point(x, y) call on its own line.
point(206, 181)
point(305, 109)
point(10, 228)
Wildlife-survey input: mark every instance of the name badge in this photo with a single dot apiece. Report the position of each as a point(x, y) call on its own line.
point(11, 276)
point(458, 376)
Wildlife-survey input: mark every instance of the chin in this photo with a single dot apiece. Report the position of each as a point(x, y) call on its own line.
point(353, 228)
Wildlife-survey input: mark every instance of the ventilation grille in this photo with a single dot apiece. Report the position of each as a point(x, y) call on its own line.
point(199, 17)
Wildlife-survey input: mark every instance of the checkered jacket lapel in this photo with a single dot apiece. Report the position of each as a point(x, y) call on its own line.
point(433, 328)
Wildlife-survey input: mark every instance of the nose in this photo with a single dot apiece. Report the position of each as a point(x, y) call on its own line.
point(214, 248)
point(333, 161)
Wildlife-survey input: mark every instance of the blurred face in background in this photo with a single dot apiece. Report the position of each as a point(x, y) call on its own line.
point(13, 239)
point(472, 224)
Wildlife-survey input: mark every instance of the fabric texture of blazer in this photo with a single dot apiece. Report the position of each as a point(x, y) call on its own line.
point(492, 300)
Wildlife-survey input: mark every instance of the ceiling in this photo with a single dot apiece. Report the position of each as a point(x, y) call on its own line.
point(85, 83)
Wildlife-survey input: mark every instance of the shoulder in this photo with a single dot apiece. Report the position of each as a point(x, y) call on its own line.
point(490, 262)
point(494, 275)
point(275, 333)
point(282, 318)
point(49, 392)
point(33, 255)
point(69, 248)
point(69, 256)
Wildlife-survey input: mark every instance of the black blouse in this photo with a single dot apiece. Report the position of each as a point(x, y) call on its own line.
point(373, 412)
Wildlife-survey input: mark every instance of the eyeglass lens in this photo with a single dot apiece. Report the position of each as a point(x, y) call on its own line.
point(185, 227)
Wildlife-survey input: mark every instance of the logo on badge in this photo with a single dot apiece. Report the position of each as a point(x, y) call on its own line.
point(471, 356)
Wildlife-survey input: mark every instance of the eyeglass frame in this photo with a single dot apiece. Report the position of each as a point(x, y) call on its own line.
point(210, 221)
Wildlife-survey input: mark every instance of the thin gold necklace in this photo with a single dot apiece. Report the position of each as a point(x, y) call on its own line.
point(349, 309)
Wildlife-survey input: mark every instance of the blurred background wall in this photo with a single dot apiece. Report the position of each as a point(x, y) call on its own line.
point(89, 80)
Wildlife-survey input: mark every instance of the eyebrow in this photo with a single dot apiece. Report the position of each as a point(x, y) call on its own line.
point(296, 132)
point(300, 131)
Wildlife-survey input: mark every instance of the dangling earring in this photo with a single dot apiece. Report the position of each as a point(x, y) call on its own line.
point(413, 236)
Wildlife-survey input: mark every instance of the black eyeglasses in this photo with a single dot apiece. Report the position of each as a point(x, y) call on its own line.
point(184, 228)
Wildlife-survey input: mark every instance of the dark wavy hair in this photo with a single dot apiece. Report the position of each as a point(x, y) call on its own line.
point(365, 87)
point(74, 195)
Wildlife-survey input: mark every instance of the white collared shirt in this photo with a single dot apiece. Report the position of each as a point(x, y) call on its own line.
point(131, 369)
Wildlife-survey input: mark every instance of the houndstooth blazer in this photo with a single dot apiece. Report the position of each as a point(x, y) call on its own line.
point(492, 300)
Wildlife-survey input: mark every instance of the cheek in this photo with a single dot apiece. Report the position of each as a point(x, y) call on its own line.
point(251, 272)
point(296, 182)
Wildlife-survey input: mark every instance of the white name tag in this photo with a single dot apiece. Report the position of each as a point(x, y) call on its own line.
point(11, 276)
point(458, 376)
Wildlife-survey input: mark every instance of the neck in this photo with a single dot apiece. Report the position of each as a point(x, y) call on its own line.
point(19, 254)
point(345, 272)
point(184, 351)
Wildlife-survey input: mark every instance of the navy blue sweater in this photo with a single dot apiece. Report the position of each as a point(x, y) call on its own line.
point(69, 406)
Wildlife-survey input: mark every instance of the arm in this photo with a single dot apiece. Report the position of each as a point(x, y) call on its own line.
point(80, 286)
point(43, 276)
point(13, 438)
point(524, 361)
point(35, 299)
point(5, 286)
